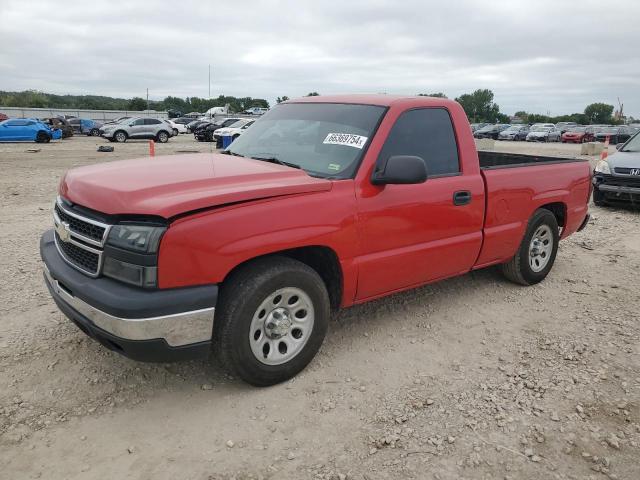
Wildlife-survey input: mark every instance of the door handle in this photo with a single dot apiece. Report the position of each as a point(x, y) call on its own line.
point(462, 197)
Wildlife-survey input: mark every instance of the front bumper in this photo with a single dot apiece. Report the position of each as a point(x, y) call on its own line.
point(614, 188)
point(146, 325)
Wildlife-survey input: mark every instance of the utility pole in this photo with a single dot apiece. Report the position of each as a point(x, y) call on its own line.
point(147, 99)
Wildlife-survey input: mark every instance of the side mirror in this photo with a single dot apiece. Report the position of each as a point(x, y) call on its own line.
point(619, 146)
point(400, 170)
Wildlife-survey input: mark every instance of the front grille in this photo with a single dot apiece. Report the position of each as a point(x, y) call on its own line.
point(81, 227)
point(621, 181)
point(78, 256)
point(624, 171)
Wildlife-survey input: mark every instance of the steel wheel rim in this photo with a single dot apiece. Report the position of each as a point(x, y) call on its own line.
point(540, 248)
point(281, 326)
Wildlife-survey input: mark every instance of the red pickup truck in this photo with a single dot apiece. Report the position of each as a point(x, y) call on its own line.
point(323, 203)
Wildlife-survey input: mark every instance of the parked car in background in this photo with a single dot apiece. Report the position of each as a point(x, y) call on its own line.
point(3, 117)
point(234, 130)
point(191, 127)
point(85, 126)
point(256, 111)
point(176, 128)
point(182, 120)
point(491, 131)
point(205, 134)
point(616, 134)
point(478, 126)
point(616, 179)
point(514, 132)
point(60, 124)
point(543, 134)
point(27, 130)
point(117, 120)
point(546, 125)
point(137, 127)
point(565, 126)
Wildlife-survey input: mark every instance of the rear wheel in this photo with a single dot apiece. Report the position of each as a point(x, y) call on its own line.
point(42, 137)
point(120, 136)
point(272, 318)
point(537, 253)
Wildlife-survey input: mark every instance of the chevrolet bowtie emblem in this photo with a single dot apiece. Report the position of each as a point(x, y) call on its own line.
point(63, 231)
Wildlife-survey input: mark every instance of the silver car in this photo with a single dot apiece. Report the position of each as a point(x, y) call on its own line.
point(616, 179)
point(137, 127)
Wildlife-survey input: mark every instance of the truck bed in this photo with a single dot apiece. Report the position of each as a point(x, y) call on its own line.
point(493, 160)
point(516, 185)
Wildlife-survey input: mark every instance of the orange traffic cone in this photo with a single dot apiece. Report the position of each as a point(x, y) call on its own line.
point(605, 150)
point(152, 148)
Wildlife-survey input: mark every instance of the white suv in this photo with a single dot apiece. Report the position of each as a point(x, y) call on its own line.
point(137, 127)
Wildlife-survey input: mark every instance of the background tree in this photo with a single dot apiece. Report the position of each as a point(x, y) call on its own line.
point(312, 94)
point(137, 103)
point(284, 98)
point(479, 106)
point(599, 113)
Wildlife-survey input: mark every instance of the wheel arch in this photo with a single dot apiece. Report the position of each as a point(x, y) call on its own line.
point(320, 258)
point(559, 210)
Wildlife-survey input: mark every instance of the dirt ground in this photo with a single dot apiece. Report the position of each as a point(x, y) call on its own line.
point(471, 378)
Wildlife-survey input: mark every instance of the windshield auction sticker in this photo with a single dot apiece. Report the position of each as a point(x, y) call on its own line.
point(347, 139)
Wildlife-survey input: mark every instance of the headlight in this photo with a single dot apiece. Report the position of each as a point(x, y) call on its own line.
point(603, 167)
point(136, 238)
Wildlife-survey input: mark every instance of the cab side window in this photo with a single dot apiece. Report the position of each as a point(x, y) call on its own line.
point(426, 133)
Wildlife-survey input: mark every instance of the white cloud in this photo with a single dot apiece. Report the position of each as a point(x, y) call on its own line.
point(540, 55)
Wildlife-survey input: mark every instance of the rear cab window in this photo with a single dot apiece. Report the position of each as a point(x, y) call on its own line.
point(426, 133)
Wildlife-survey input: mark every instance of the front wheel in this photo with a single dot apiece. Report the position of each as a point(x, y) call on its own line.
point(272, 319)
point(120, 137)
point(163, 137)
point(94, 132)
point(537, 253)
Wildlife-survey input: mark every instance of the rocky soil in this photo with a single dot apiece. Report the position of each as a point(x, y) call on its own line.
point(471, 378)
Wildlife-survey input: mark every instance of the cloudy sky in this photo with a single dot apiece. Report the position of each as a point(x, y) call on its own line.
point(542, 56)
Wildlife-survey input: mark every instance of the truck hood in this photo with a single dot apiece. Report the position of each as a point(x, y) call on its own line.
point(170, 185)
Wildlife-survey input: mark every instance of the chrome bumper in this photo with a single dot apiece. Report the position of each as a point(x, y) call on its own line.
point(177, 329)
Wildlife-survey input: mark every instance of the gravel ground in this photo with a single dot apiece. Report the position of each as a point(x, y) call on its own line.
point(471, 378)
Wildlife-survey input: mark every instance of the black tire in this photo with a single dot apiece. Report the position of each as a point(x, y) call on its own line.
point(42, 137)
point(162, 137)
point(120, 136)
point(518, 269)
point(175, 132)
point(240, 297)
point(94, 132)
point(599, 198)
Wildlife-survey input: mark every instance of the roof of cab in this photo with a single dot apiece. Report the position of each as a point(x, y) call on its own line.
point(373, 99)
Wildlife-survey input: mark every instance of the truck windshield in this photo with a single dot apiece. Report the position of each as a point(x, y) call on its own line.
point(324, 139)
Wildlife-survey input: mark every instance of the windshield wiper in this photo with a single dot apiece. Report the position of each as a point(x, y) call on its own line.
point(278, 161)
point(228, 152)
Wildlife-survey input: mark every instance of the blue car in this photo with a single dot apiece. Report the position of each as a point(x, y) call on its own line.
point(27, 130)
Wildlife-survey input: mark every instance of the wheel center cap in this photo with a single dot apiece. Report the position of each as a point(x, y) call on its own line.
point(278, 323)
